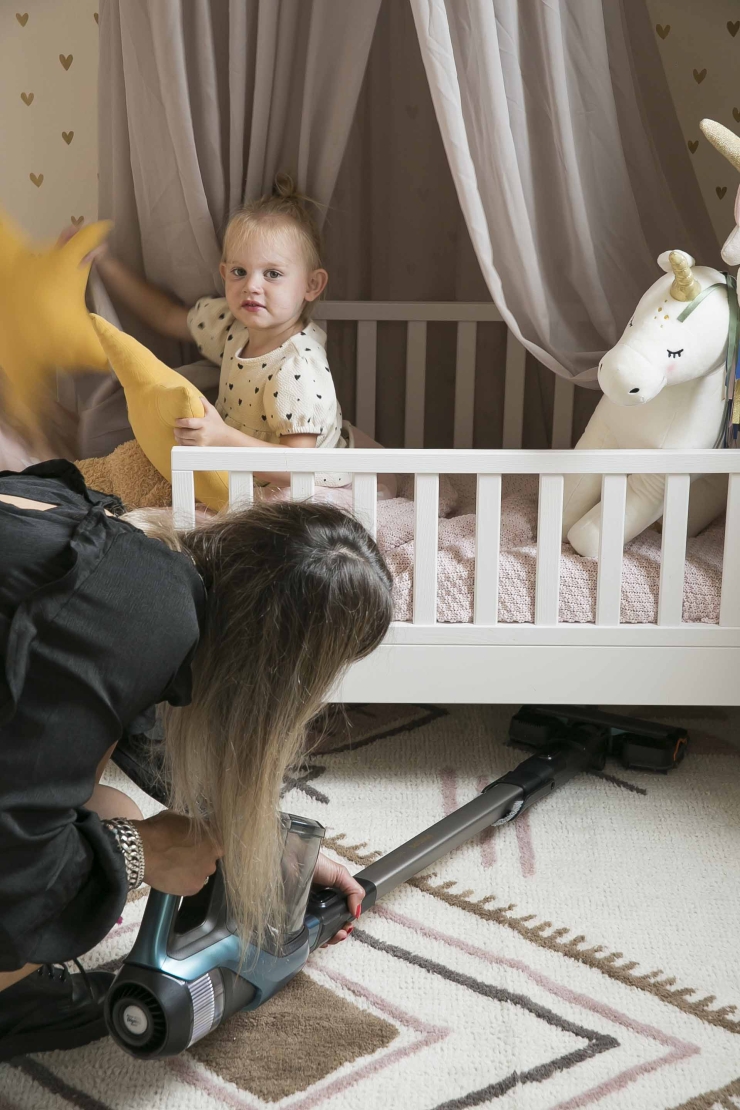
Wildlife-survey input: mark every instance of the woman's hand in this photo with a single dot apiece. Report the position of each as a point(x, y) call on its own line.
point(178, 858)
point(208, 430)
point(328, 873)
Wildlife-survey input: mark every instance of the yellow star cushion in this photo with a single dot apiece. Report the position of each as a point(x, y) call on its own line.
point(44, 324)
point(157, 396)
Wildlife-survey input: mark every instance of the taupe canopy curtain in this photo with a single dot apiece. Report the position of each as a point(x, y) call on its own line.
point(201, 102)
point(550, 112)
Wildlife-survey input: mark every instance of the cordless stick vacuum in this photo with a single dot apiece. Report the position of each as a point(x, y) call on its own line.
point(188, 971)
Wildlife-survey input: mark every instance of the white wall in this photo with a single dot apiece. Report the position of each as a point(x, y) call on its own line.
point(62, 100)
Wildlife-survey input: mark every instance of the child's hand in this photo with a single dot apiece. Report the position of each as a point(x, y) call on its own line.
point(208, 430)
point(96, 255)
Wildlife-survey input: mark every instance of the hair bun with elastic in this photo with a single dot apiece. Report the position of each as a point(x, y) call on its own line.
point(284, 186)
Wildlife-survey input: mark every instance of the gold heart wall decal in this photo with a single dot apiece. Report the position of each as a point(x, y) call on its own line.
point(96, 17)
point(68, 136)
point(662, 31)
point(733, 28)
point(699, 76)
point(22, 19)
point(67, 62)
point(38, 179)
point(27, 98)
point(720, 190)
point(77, 220)
point(693, 144)
point(736, 114)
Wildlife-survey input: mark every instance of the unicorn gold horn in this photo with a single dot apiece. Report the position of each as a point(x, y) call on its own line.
point(685, 287)
point(726, 142)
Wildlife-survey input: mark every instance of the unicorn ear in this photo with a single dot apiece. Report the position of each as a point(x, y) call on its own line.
point(664, 260)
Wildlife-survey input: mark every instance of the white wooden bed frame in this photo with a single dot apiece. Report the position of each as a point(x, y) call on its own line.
point(666, 663)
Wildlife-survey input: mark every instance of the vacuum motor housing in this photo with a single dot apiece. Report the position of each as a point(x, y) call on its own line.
point(188, 970)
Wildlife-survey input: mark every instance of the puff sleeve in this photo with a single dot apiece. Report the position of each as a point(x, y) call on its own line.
point(209, 321)
point(301, 396)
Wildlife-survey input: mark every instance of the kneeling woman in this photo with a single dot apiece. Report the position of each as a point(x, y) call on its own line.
point(244, 625)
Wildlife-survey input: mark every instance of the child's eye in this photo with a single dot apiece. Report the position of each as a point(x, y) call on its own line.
point(238, 271)
point(675, 354)
point(272, 274)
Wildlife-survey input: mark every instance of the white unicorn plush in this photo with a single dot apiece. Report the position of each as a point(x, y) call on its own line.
point(727, 143)
point(663, 386)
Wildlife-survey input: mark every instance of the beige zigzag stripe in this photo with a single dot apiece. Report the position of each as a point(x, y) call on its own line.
point(594, 956)
point(714, 1100)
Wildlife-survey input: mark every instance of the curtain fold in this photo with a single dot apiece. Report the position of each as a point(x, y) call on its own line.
point(562, 186)
point(201, 103)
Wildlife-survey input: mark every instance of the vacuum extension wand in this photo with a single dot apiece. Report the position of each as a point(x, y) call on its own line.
point(188, 971)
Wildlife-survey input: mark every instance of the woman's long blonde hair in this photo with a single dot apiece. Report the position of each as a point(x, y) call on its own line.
point(296, 592)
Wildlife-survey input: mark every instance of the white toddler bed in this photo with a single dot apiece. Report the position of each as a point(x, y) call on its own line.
point(650, 625)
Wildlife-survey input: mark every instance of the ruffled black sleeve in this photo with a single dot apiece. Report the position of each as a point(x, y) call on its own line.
point(109, 632)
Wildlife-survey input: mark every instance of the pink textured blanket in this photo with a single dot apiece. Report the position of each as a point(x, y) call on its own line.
point(456, 561)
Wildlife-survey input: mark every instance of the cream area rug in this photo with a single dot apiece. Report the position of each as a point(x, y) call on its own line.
point(587, 954)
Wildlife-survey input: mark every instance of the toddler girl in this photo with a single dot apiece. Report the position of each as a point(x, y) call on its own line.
point(275, 388)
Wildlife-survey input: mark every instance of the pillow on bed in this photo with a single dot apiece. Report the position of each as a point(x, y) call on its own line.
point(44, 324)
point(157, 396)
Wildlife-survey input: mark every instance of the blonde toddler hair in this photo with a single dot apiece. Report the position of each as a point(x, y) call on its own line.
point(284, 209)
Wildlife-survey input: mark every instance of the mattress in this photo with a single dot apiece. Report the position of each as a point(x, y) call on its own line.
point(517, 563)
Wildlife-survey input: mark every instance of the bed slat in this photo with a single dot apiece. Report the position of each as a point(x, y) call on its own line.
point(367, 358)
point(487, 541)
point(301, 486)
point(611, 545)
point(549, 524)
point(241, 488)
point(416, 369)
point(465, 385)
point(426, 498)
point(516, 356)
point(562, 414)
point(183, 498)
point(365, 501)
point(673, 550)
point(729, 610)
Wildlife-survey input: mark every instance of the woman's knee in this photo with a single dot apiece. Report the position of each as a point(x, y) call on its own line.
point(108, 802)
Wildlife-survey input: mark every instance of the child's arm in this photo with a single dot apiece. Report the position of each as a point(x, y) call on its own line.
point(211, 431)
point(150, 304)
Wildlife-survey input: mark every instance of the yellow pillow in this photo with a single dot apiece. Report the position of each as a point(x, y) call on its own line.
point(44, 323)
point(157, 396)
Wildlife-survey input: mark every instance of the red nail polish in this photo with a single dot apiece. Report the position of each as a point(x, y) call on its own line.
point(358, 911)
point(119, 921)
point(349, 929)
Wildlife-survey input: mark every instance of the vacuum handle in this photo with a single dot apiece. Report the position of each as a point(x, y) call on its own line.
point(331, 908)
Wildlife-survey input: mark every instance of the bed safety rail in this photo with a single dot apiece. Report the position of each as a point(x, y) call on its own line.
point(467, 315)
point(489, 467)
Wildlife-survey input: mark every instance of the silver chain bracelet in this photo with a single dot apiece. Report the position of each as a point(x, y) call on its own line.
point(128, 841)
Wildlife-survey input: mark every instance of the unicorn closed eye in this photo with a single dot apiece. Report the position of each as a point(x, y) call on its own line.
point(664, 387)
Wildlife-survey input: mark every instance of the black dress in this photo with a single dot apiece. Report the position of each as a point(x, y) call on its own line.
point(98, 622)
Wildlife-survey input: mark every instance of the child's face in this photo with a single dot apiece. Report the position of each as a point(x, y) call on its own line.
point(267, 281)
